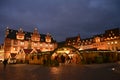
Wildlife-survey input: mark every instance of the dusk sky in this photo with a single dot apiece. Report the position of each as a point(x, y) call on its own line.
point(60, 18)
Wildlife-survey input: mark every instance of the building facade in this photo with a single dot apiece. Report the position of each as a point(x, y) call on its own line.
point(1, 52)
point(109, 40)
point(17, 40)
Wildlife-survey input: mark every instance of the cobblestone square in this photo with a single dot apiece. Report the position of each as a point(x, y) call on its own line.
point(63, 72)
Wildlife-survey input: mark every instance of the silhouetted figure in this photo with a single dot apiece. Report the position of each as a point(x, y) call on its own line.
point(68, 59)
point(63, 59)
point(5, 63)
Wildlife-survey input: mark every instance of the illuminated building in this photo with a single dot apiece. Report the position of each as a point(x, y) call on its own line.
point(17, 41)
point(110, 40)
point(1, 52)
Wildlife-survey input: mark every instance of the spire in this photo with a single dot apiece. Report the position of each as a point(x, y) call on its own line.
point(78, 38)
point(48, 37)
point(36, 31)
point(20, 30)
point(7, 31)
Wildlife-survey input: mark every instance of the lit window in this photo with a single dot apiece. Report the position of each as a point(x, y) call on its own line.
point(14, 49)
point(115, 42)
point(111, 42)
point(46, 44)
point(115, 37)
point(22, 43)
point(51, 45)
point(108, 38)
point(40, 44)
point(35, 44)
point(108, 43)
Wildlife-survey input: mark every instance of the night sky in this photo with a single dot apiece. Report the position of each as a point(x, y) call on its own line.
point(60, 18)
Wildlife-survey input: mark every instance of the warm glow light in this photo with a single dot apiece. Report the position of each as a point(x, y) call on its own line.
point(51, 45)
point(46, 44)
point(55, 70)
point(22, 43)
point(65, 51)
point(35, 44)
point(40, 44)
point(108, 43)
point(14, 49)
point(115, 42)
point(111, 42)
point(80, 49)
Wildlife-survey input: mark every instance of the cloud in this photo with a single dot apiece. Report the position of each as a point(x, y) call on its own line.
point(62, 18)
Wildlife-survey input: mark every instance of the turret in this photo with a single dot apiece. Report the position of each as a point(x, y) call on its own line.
point(35, 36)
point(48, 38)
point(20, 34)
point(7, 32)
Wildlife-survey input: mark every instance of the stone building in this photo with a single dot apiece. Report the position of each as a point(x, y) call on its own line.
point(1, 52)
point(110, 40)
point(18, 40)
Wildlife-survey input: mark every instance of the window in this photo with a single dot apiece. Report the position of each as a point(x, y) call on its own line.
point(47, 45)
point(109, 34)
point(97, 39)
point(40, 44)
point(108, 38)
point(35, 44)
point(15, 49)
point(22, 43)
point(111, 42)
point(51, 45)
point(48, 39)
point(115, 42)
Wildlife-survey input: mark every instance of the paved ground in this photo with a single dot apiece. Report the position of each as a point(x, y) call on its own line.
point(109, 71)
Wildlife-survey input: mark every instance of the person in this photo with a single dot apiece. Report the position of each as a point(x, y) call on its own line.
point(5, 63)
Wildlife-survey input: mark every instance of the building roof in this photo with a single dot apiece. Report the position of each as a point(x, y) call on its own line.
point(71, 38)
point(112, 32)
point(75, 39)
point(12, 35)
point(108, 33)
point(27, 51)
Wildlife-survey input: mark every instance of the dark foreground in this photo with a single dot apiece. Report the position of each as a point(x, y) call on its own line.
point(63, 72)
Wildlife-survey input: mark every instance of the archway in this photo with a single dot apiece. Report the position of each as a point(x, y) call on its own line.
point(66, 54)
